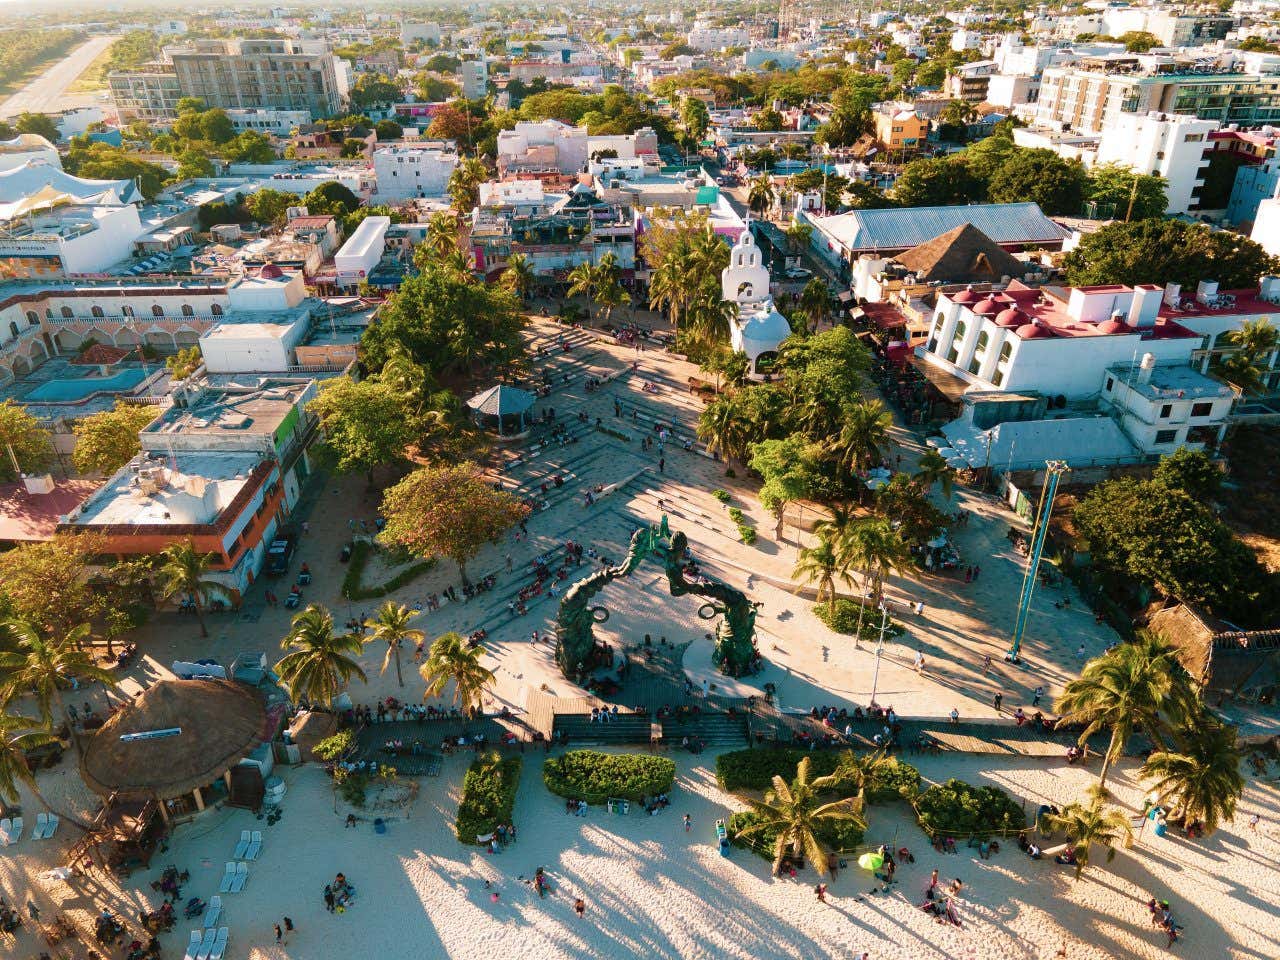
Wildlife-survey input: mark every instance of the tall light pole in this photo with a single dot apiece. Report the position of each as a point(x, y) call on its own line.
point(884, 625)
point(1054, 469)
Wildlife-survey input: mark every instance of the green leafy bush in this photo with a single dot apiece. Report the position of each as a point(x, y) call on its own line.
point(595, 777)
point(616, 434)
point(835, 835)
point(754, 769)
point(959, 809)
point(488, 795)
point(747, 534)
point(899, 780)
point(722, 495)
point(844, 619)
point(736, 515)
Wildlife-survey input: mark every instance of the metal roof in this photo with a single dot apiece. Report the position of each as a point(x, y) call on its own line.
point(902, 228)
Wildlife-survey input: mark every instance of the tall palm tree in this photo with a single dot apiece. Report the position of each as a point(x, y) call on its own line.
point(860, 773)
point(182, 570)
point(835, 527)
point(321, 661)
point(584, 281)
point(452, 659)
point(391, 626)
point(821, 563)
point(815, 302)
point(608, 291)
point(519, 277)
point(873, 546)
point(1096, 825)
point(933, 468)
point(1137, 684)
point(760, 195)
point(32, 663)
point(464, 184)
point(441, 242)
point(726, 428)
point(710, 315)
point(17, 736)
point(864, 433)
point(1202, 779)
point(793, 810)
point(672, 284)
point(1247, 367)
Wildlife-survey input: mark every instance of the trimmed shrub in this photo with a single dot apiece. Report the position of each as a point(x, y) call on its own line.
point(488, 795)
point(747, 534)
point(721, 495)
point(736, 515)
point(754, 770)
point(844, 619)
point(837, 836)
point(900, 781)
point(959, 809)
point(595, 777)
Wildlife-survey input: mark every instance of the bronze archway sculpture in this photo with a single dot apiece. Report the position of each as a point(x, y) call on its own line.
point(576, 647)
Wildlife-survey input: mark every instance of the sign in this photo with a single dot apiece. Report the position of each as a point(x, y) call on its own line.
point(151, 734)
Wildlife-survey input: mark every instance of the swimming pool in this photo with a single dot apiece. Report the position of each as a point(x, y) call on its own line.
point(70, 390)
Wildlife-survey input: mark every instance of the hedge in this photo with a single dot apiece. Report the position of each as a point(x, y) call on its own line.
point(840, 836)
point(754, 770)
point(488, 795)
point(352, 589)
point(595, 777)
point(959, 809)
point(844, 619)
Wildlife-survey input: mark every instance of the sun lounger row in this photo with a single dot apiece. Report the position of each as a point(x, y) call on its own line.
point(250, 845)
point(207, 944)
point(234, 877)
point(11, 830)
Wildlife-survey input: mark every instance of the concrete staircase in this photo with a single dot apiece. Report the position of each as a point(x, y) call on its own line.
point(713, 729)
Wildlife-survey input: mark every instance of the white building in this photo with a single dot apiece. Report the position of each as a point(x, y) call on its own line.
point(759, 329)
point(1012, 90)
point(408, 170)
point(279, 123)
point(362, 251)
point(520, 198)
point(1165, 145)
point(413, 32)
point(706, 39)
point(475, 79)
point(963, 40)
point(542, 146)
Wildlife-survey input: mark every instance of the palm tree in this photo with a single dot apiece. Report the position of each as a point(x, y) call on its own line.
point(860, 773)
point(1134, 685)
point(17, 736)
point(464, 184)
point(608, 291)
point(182, 570)
point(726, 428)
point(391, 626)
point(1094, 825)
point(760, 196)
point(822, 563)
point(798, 234)
point(873, 546)
point(519, 277)
point(794, 812)
point(321, 661)
point(41, 666)
point(709, 314)
point(933, 468)
point(441, 242)
point(584, 280)
point(835, 528)
point(815, 302)
point(453, 659)
point(863, 434)
point(1247, 367)
point(1203, 779)
point(672, 284)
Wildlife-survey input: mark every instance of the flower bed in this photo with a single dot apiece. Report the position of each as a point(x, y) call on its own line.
point(488, 795)
point(595, 777)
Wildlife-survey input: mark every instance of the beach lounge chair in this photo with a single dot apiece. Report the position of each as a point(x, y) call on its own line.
point(228, 877)
point(243, 845)
point(53, 826)
point(15, 832)
point(206, 945)
point(42, 824)
point(242, 874)
point(213, 913)
point(255, 846)
point(219, 944)
point(193, 945)
point(6, 825)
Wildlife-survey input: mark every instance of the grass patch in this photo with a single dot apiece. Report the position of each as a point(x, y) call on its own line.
point(94, 77)
point(354, 589)
point(595, 777)
point(844, 619)
point(488, 795)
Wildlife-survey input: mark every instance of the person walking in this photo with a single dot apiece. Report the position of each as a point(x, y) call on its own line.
point(821, 891)
point(986, 665)
point(688, 823)
point(279, 934)
point(662, 464)
point(288, 925)
point(996, 700)
point(328, 898)
point(933, 880)
point(1035, 697)
point(919, 662)
point(580, 906)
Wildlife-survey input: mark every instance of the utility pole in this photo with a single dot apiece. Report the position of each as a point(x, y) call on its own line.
point(1054, 470)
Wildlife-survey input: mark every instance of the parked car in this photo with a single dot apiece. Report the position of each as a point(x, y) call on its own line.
point(278, 555)
point(798, 273)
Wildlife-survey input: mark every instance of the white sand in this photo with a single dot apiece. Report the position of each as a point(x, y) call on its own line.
point(654, 891)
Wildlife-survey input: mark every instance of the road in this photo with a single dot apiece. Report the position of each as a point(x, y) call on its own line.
point(47, 92)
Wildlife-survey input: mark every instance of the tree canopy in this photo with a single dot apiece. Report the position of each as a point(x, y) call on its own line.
point(1167, 251)
point(107, 440)
point(21, 433)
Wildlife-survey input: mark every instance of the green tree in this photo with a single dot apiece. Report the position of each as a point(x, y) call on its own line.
point(47, 583)
point(464, 184)
point(863, 435)
point(1138, 684)
point(678, 49)
point(19, 734)
point(1139, 41)
point(39, 124)
point(1202, 778)
point(815, 302)
point(22, 439)
point(448, 511)
point(320, 662)
point(101, 161)
point(821, 564)
point(727, 425)
point(985, 158)
point(391, 626)
point(183, 570)
point(905, 502)
point(366, 423)
point(1167, 251)
point(193, 163)
point(1124, 194)
point(789, 467)
point(583, 281)
point(794, 810)
point(1191, 471)
point(863, 773)
point(1093, 826)
point(937, 182)
point(269, 206)
point(609, 292)
point(1248, 366)
point(184, 363)
point(331, 198)
point(932, 468)
point(768, 120)
point(388, 130)
point(107, 440)
point(695, 117)
point(452, 660)
point(518, 277)
point(33, 663)
point(250, 147)
point(872, 546)
point(1039, 175)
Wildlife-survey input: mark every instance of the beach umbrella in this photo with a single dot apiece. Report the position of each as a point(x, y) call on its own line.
point(936, 442)
point(958, 463)
point(871, 861)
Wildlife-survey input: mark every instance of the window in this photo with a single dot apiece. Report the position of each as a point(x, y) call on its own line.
point(97, 311)
point(157, 310)
point(32, 317)
point(1166, 411)
point(187, 310)
point(954, 353)
point(1201, 409)
point(126, 311)
point(1006, 351)
point(13, 327)
point(216, 309)
point(1166, 436)
point(1110, 383)
point(67, 313)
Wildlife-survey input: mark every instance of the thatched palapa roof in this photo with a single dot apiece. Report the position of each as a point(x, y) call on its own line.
point(220, 722)
point(963, 254)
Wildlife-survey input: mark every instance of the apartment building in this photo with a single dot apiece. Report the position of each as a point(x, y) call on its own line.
point(475, 79)
point(1088, 97)
point(411, 170)
point(145, 94)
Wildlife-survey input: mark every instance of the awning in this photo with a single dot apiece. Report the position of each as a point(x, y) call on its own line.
point(947, 384)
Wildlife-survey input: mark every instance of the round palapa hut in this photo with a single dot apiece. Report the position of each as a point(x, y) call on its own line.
point(176, 737)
